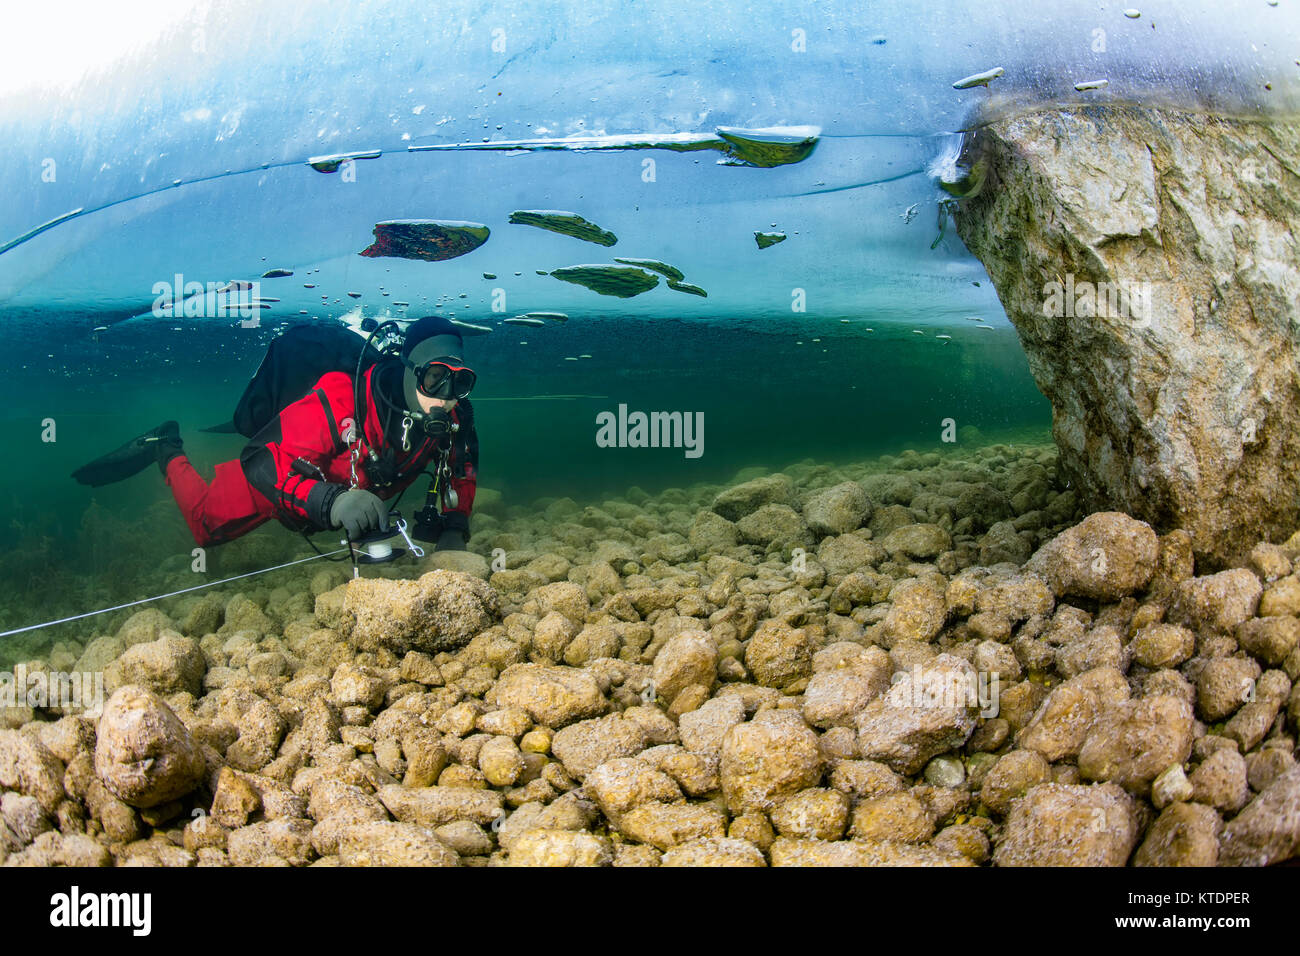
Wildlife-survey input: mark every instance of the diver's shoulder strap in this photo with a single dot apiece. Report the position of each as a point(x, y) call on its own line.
point(335, 435)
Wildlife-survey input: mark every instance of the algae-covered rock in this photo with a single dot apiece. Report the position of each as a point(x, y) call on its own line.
point(464, 562)
point(1269, 639)
point(740, 500)
point(1268, 830)
point(1220, 601)
point(552, 696)
point(440, 611)
point(687, 659)
point(1132, 743)
point(1162, 645)
point(28, 767)
point(893, 816)
point(714, 851)
point(835, 696)
point(1163, 406)
point(1105, 557)
point(704, 729)
point(1069, 825)
point(166, 666)
point(664, 825)
point(916, 613)
point(434, 806)
point(919, 541)
point(432, 240)
point(385, 843)
point(774, 525)
point(1185, 834)
point(271, 843)
point(1014, 774)
point(838, 509)
point(819, 814)
point(778, 654)
point(788, 851)
point(929, 711)
point(763, 762)
point(551, 847)
point(584, 746)
point(143, 753)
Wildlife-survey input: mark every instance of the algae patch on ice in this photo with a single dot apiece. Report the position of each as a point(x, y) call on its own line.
point(565, 223)
point(621, 281)
point(469, 328)
point(430, 239)
point(773, 146)
point(331, 163)
point(978, 79)
point(655, 265)
point(765, 239)
point(687, 287)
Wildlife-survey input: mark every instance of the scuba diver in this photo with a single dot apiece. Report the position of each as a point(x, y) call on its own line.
point(307, 464)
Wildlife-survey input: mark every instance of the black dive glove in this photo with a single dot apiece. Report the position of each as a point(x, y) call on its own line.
point(455, 532)
point(359, 512)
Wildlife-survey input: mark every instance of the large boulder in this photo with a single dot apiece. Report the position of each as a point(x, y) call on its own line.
point(552, 696)
point(166, 666)
point(837, 510)
point(1133, 743)
point(439, 611)
point(144, 755)
point(1068, 825)
point(740, 500)
point(1105, 557)
point(768, 760)
point(930, 710)
point(1152, 285)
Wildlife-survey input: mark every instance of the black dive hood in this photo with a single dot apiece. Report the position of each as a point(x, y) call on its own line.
point(430, 338)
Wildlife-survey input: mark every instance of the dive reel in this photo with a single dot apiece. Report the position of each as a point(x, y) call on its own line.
point(374, 548)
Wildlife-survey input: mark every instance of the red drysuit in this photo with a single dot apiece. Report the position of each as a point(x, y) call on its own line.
point(263, 484)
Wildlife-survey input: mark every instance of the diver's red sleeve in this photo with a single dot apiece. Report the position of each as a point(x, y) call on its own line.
point(286, 460)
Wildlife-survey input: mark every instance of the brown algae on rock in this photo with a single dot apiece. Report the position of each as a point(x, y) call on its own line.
point(432, 240)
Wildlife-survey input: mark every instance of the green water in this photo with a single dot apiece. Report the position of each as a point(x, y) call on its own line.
point(770, 395)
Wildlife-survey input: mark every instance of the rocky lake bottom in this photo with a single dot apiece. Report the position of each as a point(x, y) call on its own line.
point(920, 659)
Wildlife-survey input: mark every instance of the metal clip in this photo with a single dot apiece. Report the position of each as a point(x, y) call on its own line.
point(449, 497)
point(406, 427)
point(352, 463)
point(415, 548)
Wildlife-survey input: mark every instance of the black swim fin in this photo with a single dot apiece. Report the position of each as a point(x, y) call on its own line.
point(225, 428)
point(133, 457)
